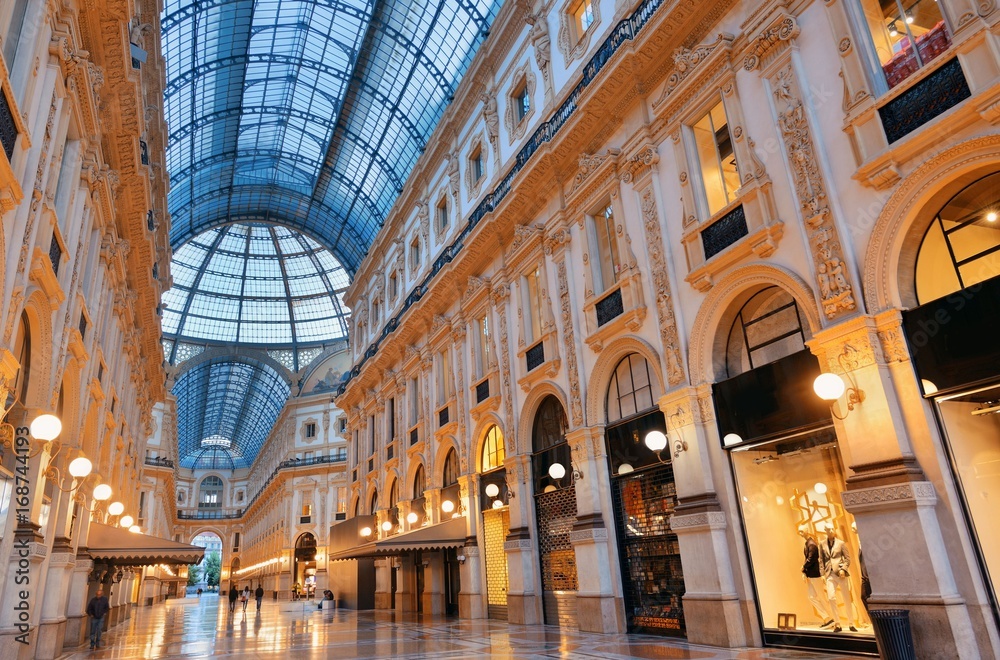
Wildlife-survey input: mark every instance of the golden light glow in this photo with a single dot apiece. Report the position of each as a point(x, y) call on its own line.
point(829, 387)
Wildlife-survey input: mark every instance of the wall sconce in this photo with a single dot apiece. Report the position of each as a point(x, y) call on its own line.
point(830, 387)
point(893, 29)
point(366, 532)
point(461, 559)
point(125, 521)
point(492, 490)
point(135, 529)
point(557, 471)
point(447, 506)
point(387, 526)
point(412, 517)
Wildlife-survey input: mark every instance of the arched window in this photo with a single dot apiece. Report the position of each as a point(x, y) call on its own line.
point(493, 450)
point(373, 502)
point(307, 540)
point(450, 475)
point(419, 483)
point(767, 328)
point(210, 492)
point(550, 425)
point(22, 349)
point(962, 245)
point(394, 494)
point(633, 388)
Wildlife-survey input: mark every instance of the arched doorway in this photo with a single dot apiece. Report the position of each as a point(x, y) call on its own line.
point(493, 499)
point(952, 337)
point(644, 496)
point(234, 569)
point(210, 569)
point(790, 478)
point(304, 569)
point(555, 512)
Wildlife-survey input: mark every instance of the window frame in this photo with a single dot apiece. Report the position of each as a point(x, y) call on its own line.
point(695, 166)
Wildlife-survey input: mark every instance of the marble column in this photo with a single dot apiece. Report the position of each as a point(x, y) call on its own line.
point(894, 503)
point(76, 602)
point(524, 598)
point(52, 626)
point(713, 612)
point(433, 597)
point(471, 598)
point(405, 583)
point(599, 603)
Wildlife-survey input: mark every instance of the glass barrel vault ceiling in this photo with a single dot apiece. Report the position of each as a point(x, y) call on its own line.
point(226, 399)
point(307, 113)
point(252, 283)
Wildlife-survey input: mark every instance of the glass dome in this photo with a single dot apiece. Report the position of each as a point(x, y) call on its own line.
point(256, 283)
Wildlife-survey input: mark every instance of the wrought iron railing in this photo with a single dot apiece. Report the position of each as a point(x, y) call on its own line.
point(159, 461)
point(932, 96)
point(8, 127)
point(535, 356)
point(724, 232)
point(215, 514)
point(483, 390)
point(624, 31)
point(609, 307)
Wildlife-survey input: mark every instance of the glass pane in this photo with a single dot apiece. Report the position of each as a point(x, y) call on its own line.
point(935, 272)
point(607, 250)
point(974, 436)
point(895, 27)
point(720, 178)
point(976, 237)
point(804, 550)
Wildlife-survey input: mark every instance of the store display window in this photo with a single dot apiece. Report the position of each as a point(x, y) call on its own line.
point(971, 422)
point(804, 550)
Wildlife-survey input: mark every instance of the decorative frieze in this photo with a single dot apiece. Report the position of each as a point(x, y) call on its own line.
point(661, 287)
point(555, 245)
point(836, 291)
point(911, 493)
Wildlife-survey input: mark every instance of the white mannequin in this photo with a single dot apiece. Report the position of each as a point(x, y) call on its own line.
point(834, 562)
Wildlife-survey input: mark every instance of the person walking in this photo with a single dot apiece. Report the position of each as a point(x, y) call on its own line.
point(233, 595)
point(245, 597)
point(259, 595)
point(97, 608)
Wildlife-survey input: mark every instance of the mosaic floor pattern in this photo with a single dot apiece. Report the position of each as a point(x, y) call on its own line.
point(195, 628)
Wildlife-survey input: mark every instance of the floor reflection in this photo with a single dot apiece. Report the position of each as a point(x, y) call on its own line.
point(200, 627)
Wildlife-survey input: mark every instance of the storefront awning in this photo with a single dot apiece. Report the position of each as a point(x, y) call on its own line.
point(121, 546)
point(449, 534)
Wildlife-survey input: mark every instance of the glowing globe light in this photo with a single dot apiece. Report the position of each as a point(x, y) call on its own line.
point(116, 508)
point(126, 521)
point(820, 487)
point(447, 506)
point(135, 529)
point(102, 492)
point(492, 490)
point(497, 504)
point(656, 440)
point(625, 468)
point(80, 467)
point(366, 531)
point(829, 387)
point(46, 427)
point(386, 526)
point(731, 439)
point(557, 471)
point(412, 517)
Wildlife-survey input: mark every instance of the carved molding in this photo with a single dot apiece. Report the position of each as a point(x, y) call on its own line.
point(517, 127)
point(912, 493)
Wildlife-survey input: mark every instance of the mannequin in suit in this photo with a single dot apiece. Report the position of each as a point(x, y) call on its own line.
point(814, 578)
point(834, 562)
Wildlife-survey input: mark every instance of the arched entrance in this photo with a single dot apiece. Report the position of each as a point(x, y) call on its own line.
point(304, 569)
point(803, 545)
point(644, 496)
point(555, 512)
point(210, 569)
point(493, 498)
point(952, 337)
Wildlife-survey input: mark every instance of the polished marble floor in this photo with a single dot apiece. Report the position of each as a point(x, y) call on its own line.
point(194, 628)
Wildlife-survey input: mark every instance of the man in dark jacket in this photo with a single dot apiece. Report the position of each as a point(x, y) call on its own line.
point(234, 593)
point(259, 595)
point(97, 608)
point(813, 577)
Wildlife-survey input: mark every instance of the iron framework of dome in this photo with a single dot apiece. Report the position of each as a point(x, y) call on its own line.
point(307, 113)
point(255, 284)
point(226, 408)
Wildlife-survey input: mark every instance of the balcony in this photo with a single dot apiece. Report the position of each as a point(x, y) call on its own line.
point(214, 514)
point(159, 461)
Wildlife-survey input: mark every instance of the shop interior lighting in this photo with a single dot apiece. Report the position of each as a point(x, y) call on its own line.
point(988, 408)
point(820, 487)
point(991, 216)
point(893, 29)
